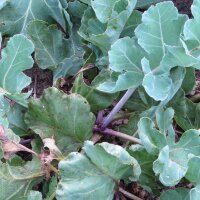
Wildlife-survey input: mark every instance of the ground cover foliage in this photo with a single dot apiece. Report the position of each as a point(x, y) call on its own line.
point(128, 115)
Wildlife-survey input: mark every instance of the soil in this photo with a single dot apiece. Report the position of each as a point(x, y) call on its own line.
point(42, 79)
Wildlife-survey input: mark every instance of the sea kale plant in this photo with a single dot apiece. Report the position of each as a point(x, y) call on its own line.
point(128, 113)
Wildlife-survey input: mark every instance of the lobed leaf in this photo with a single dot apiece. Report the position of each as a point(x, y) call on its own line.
point(67, 118)
point(16, 57)
point(102, 165)
point(15, 15)
point(172, 162)
point(103, 35)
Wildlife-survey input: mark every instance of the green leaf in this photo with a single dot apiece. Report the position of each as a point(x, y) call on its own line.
point(133, 21)
point(191, 32)
point(52, 188)
point(16, 14)
point(34, 195)
point(146, 3)
point(16, 119)
point(164, 119)
point(123, 165)
point(154, 32)
point(67, 118)
point(193, 172)
point(124, 58)
point(172, 162)
point(103, 9)
point(194, 193)
point(104, 164)
point(74, 61)
point(50, 46)
point(131, 127)
point(187, 114)
point(147, 179)
point(16, 181)
point(189, 80)
point(157, 86)
point(53, 51)
point(98, 100)
point(4, 108)
point(16, 57)
point(76, 8)
point(152, 139)
point(178, 194)
point(104, 34)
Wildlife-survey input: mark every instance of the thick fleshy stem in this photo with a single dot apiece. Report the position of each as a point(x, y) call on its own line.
point(117, 107)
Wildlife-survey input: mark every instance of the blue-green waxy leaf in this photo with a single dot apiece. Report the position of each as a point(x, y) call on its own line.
point(53, 51)
point(195, 192)
point(146, 3)
point(16, 14)
point(50, 46)
point(115, 14)
point(95, 173)
point(157, 86)
point(15, 183)
point(152, 139)
point(161, 25)
point(164, 119)
point(123, 165)
point(103, 9)
point(191, 30)
point(67, 118)
point(124, 58)
point(4, 108)
point(172, 162)
point(178, 194)
point(16, 57)
point(187, 53)
point(193, 172)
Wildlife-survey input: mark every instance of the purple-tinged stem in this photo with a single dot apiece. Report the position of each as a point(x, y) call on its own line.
point(108, 131)
point(117, 107)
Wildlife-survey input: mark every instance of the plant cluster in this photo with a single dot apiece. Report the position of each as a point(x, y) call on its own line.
point(109, 50)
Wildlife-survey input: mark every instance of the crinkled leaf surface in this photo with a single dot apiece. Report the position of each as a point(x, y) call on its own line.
point(67, 118)
point(16, 14)
point(16, 57)
point(95, 173)
point(98, 100)
point(124, 58)
point(104, 34)
point(172, 162)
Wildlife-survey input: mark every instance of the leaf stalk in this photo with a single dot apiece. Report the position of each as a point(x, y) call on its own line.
point(117, 107)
